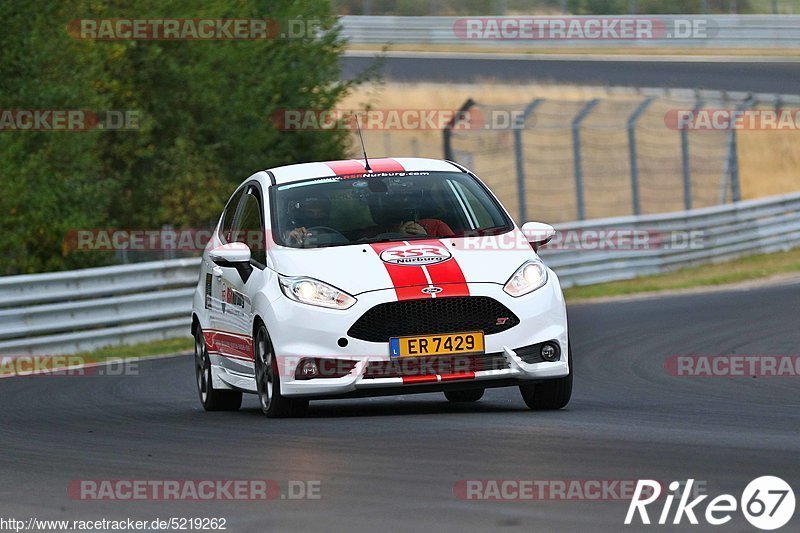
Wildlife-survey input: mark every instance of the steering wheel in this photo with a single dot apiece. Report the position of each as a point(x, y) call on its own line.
point(391, 235)
point(324, 229)
point(334, 236)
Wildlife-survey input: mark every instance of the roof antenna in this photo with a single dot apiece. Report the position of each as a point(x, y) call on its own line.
point(363, 148)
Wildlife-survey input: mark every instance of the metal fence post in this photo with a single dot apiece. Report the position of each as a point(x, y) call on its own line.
point(447, 132)
point(637, 208)
point(736, 192)
point(687, 169)
point(576, 155)
point(519, 126)
point(732, 162)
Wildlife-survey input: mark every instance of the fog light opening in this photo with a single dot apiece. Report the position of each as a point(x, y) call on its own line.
point(309, 368)
point(550, 352)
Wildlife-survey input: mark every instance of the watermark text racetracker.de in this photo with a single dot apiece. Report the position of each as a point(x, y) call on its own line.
point(195, 239)
point(720, 119)
point(544, 489)
point(193, 489)
point(193, 29)
point(396, 119)
point(605, 239)
point(582, 28)
point(69, 120)
point(733, 366)
point(66, 366)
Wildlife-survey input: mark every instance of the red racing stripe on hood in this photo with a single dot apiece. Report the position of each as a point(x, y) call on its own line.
point(410, 280)
point(449, 276)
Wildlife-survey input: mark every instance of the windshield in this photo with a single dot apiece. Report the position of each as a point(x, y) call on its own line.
point(384, 207)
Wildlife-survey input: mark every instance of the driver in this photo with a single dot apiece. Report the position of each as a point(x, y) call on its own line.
point(307, 213)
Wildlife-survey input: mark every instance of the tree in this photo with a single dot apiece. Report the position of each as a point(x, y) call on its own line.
point(205, 111)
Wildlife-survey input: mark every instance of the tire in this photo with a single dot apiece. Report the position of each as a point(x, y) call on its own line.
point(268, 382)
point(552, 394)
point(211, 398)
point(459, 396)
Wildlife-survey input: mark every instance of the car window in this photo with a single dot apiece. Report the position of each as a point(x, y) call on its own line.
point(475, 209)
point(383, 207)
point(228, 215)
point(248, 227)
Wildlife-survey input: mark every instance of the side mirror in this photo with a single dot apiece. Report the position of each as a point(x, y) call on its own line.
point(538, 233)
point(233, 255)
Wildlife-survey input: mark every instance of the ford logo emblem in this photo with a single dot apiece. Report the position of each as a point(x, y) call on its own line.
point(432, 290)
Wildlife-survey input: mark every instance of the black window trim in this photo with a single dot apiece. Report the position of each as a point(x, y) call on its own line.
point(223, 218)
point(239, 208)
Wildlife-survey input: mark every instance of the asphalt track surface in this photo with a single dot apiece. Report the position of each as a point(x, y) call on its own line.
point(753, 76)
point(391, 463)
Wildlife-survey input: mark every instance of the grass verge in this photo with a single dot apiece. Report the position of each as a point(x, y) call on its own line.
point(147, 349)
point(745, 269)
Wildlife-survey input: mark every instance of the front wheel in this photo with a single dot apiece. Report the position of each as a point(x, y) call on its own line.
point(268, 382)
point(211, 398)
point(551, 394)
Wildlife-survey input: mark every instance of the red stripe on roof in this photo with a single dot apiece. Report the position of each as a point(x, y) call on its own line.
point(345, 168)
point(385, 165)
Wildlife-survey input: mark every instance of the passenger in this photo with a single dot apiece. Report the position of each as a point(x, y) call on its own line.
point(397, 213)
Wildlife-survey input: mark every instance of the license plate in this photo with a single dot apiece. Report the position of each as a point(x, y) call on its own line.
point(448, 344)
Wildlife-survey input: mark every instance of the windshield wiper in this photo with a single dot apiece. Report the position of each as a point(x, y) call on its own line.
point(400, 238)
point(482, 232)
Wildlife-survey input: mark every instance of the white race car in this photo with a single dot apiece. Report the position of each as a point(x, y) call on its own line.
point(392, 276)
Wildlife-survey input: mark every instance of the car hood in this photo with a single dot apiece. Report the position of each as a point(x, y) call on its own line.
point(446, 263)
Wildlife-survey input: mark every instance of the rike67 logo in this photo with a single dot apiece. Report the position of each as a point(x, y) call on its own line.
point(767, 502)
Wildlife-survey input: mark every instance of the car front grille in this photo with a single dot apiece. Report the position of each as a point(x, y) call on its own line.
point(432, 316)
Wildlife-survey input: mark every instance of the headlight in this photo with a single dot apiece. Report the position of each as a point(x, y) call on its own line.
point(313, 292)
point(527, 278)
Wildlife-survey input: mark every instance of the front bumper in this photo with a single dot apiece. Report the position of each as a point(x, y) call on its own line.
point(298, 331)
point(356, 379)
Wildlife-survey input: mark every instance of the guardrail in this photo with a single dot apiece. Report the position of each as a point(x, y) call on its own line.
point(82, 310)
point(712, 31)
point(705, 235)
point(67, 312)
